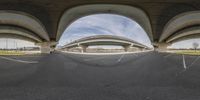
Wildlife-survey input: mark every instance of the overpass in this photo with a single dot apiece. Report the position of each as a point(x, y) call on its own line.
point(104, 40)
point(44, 21)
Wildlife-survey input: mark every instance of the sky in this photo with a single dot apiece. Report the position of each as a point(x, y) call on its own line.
point(104, 24)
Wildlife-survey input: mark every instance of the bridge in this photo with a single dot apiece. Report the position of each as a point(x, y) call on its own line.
point(104, 40)
point(127, 76)
point(44, 21)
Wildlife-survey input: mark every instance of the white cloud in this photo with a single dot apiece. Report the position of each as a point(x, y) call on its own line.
point(105, 24)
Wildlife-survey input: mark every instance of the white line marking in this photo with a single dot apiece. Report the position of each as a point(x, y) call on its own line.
point(135, 55)
point(197, 58)
point(16, 60)
point(167, 55)
point(105, 53)
point(184, 65)
point(91, 59)
point(120, 58)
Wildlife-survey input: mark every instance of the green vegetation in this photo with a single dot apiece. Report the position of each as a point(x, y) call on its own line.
point(188, 52)
point(4, 52)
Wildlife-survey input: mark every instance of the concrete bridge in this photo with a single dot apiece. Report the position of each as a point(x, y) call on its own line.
point(44, 21)
point(104, 40)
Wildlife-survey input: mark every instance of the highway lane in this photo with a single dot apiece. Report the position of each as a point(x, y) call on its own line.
point(105, 60)
point(145, 76)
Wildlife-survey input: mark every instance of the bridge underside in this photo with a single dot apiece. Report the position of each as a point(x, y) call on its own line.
point(105, 43)
point(84, 46)
point(44, 21)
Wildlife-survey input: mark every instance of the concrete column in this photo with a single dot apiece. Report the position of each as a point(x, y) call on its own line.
point(66, 49)
point(83, 48)
point(141, 49)
point(162, 47)
point(126, 48)
point(46, 47)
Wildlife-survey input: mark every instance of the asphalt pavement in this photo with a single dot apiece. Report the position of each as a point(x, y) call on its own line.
point(67, 76)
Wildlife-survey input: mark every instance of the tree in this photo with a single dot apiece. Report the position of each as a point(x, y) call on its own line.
point(195, 45)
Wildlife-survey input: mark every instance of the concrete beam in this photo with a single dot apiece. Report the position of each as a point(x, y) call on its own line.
point(179, 22)
point(27, 21)
point(191, 32)
point(189, 37)
point(12, 30)
point(14, 36)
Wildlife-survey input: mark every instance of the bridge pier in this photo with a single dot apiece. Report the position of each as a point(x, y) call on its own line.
point(66, 49)
point(126, 48)
point(162, 47)
point(83, 48)
point(46, 47)
point(141, 49)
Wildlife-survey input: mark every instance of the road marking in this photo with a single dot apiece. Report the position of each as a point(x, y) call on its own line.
point(197, 58)
point(120, 58)
point(167, 55)
point(90, 59)
point(184, 65)
point(16, 60)
point(135, 55)
point(105, 53)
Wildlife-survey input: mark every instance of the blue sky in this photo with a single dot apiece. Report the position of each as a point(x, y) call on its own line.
point(104, 24)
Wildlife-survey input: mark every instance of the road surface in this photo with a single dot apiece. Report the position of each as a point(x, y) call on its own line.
point(59, 76)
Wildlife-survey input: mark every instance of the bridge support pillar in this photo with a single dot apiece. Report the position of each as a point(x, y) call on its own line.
point(46, 47)
point(66, 49)
point(162, 47)
point(83, 48)
point(126, 48)
point(141, 49)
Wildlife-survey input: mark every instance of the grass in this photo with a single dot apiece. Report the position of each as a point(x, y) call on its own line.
point(3, 52)
point(188, 52)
